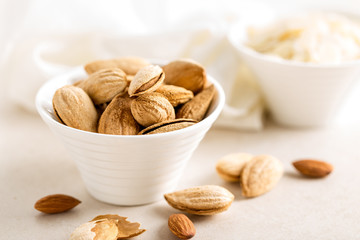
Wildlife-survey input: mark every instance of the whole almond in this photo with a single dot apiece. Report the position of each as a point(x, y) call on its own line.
point(130, 65)
point(73, 107)
point(229, 167)
point(260, 175)
point(176, 95)
point(103, 229)
point(147, 79)
point(185, 73)
point(152, 108)
point(181, 226)
point(168, 126)
point(117, 118)
point(56, 203)
point(105, 84)
point(197, 107)
point(313, 168)
point(201, 200)
point(126, 229)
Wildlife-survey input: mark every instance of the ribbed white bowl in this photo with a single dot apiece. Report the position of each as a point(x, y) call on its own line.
point(126, 170)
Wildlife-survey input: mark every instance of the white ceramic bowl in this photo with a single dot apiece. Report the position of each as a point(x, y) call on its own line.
point(297, 94)
point(126, 170)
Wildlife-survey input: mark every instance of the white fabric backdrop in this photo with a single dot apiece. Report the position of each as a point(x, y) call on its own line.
point(40, 39)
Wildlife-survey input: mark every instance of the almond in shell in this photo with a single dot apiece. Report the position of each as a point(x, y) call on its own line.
point(105, 84)
point(73, 107)
point(152, 108)
point(176, 95)
point(168, 126)
point(185, 73)
point(117, 118)
point(147, 79)
point(229, 167)
point(130, 65)
point(197, 107)
point(260, 175)
point(201, 200)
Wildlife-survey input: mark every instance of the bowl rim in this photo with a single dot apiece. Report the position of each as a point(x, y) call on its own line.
point(240, 45)
point(79, 70)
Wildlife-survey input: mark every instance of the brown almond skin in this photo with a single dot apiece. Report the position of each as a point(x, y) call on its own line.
point(181, 226)
point(197, 107)
point(313, 168)
point(56, 203)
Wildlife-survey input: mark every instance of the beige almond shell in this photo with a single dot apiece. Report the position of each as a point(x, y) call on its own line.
point(185, 73)
point(147, 79)
point(201, 200)
point(103, 229)
point(197, 107)
point(73, 107)
point(176, 95)
point(126, 229)
point(105, 84)
point(130, 65)
point(168, 126)
point(152, 108)
point(117, 118)
point(229, 167)
point(260, 175)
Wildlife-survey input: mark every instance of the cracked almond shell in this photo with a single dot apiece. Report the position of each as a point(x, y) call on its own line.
point(201, 200)
point(103, 229)
point(126, 229)
point(168, 126)
point(147, 79)
point(260, 175)
point(73, 107)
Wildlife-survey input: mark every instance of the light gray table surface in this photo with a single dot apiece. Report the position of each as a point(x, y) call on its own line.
point(34, 164)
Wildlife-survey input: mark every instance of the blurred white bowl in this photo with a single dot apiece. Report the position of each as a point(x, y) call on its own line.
point(297, 94)
point(126, 170)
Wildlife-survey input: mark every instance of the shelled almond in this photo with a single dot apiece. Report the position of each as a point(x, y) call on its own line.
point(127, 95)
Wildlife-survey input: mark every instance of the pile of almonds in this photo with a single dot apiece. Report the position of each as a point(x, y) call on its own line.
point(130, 96)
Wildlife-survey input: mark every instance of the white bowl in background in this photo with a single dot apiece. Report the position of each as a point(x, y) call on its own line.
point(297, 94)
point(126, 170)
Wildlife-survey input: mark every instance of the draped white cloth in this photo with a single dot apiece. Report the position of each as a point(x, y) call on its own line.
point(40, 39)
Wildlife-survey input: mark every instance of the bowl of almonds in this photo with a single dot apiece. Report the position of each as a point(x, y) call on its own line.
point(130, 125)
